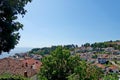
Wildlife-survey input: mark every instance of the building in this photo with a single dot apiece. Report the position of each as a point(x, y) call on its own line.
point(25, 67)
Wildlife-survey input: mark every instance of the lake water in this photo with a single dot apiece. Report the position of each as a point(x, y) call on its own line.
point(14, 51)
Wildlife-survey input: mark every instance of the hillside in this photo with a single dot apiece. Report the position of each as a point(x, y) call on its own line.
point(97, 46)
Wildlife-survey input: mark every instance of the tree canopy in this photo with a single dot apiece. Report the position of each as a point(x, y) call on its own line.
point(110, 77)
point(9, 26)
point(7, 76)
point(61, 65)
point(47, 50)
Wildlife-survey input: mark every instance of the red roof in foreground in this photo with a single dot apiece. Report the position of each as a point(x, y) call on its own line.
point(19, 67)
point(32, 62)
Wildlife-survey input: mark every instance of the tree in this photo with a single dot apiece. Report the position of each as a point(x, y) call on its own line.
point(110, 77)
point(9, 27)
point(7, 76)
point(86, 44)
point(86, 72)
point(61, 65)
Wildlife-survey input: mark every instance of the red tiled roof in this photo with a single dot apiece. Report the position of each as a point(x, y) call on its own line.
point(31, 62)
point(18, 66)
point(100, 66)
point(113, 67)
point(105, 56)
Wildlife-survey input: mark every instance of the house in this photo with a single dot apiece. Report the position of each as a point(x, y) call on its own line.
point(35, 56)
point(116, 52)
point(20, 55)
point(89, 48)
point(24, 67)
point(109, 49)
point(77, 50)
point(113, 69)
point(84, 56)
point(100, 66)
point(30, 62)
point(117, 57)
point(103, 58)
point(91, 60)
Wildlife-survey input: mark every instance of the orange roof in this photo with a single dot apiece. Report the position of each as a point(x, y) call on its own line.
point(100, 66)
point(113, 67)
point(18, 67)
point(105, 56)
point(31, 62)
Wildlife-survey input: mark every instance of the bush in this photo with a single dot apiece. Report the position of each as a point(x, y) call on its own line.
point(11, 77)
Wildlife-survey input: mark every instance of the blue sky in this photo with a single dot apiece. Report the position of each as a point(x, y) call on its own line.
point(59, 22)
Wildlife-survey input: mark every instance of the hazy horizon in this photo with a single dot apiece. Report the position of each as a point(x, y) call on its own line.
point(25, 49)
point(14, 51)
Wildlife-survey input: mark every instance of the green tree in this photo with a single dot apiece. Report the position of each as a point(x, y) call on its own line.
point(61, 65)
point(110, 77)
point(94, 56)
point(9, 26)
point(12, 77)
point(86, 72)
point(86, 44)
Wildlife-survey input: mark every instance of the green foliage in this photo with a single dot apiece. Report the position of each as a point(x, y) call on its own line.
point(110, 77)
point(34, 50)
point(41, 51)
point(86, 72)
point(9, 27)
point(70, 47)
point(11, 77)
point(61, 65)
point(94, 56)
point(106, 44)
point(48, 50)
point(86, 45)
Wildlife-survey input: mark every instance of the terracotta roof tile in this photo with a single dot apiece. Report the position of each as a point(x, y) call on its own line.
point(18, 66)
point(113, 67)
point(100, 66)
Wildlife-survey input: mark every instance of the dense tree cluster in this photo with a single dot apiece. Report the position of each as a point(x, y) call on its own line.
point(106, 44)
point(61, 65)
point(9, 27)
point(110, 77)
point(96, 47)
point(12, 77)
point(48, 50)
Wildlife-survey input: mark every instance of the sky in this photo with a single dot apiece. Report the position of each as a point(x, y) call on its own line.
point(62, 22)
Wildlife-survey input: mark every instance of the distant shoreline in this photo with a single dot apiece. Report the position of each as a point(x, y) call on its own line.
point(14, 51)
